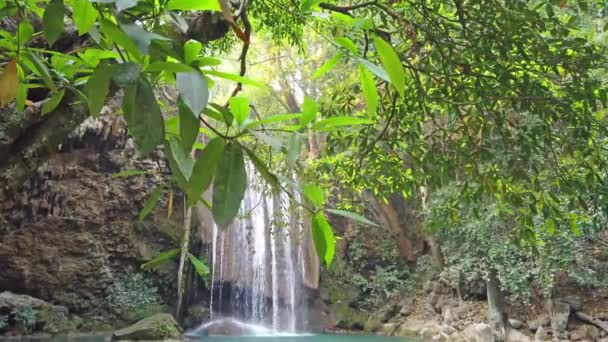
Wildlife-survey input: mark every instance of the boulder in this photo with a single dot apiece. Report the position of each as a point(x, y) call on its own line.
point(542, 320)
point(560, 316)
point(406, 306)
point(515, 323)
point(478, 332)
point(417, 328)
point(387, 329)
point(518, 336)
point(605, 339)
point(541, 334)
point(195, 315)
point(158, 327)
point(10, 301)
point(585, 332)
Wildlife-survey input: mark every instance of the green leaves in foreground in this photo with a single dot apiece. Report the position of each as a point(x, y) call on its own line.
point(52, 21)
point(229, 185)
point(98, 86)
point(150, 202)
point(314, 194)
point(204, 169)
point(323, 237)
point(392, 64)
point(143, 116)
point(353, 216)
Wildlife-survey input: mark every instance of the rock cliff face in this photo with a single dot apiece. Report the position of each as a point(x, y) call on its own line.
point(72, 229)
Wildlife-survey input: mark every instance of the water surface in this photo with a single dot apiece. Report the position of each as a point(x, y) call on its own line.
point(305, 338)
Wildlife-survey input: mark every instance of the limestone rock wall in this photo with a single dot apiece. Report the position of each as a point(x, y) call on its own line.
point(70, 230)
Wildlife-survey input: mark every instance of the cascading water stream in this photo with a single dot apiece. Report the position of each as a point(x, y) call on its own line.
point(260, 263)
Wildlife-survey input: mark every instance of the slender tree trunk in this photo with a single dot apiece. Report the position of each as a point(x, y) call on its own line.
point(497, 312)
point(182, 260)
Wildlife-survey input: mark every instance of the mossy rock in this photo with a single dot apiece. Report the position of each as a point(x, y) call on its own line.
point(333, 291)
point(347, 317)
point(158, 327)
point(139, 313)
point(195, 315)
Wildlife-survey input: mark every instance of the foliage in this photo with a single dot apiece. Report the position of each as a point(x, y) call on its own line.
point(3, 321)
point(25, 315)
point(481, 240)
point(131, 292)
point(502, 99)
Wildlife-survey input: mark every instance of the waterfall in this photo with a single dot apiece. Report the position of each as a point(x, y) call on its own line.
point(260, 263)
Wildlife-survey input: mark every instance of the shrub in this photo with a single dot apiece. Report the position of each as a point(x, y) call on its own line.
point(26, 316)
point(131, 292)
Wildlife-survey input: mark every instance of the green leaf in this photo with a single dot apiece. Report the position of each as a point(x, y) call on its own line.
point(161, 259)
point(117, 35)
point(273, 142)
point(126, 73)
point(168, 66)
point(339, 121)
point(348, 44)
point(53, 102)
point(369, 90)
point(141, 37)
point(84, 15)
point(26, 30)
point(128, 173)
point(294, 148)
point(262, 169)
point(192, 49)
point(98, 87)
point(353, 216)
point(204, 169)
point(376, 70)
point(52, 21)
point(150, 202)
point(122, 5)
point(328, 65)
point(235, 78)
point(392, 64)
point(40, 69)
point(188, 125)
point(194, 5)
point(201, 268)
point(182, 158)
point(307, 5)
point(273, 119)
point(314, 194)
point(179, 178)
point(193, 89)
point(239, 106)
point(143, 116)
point(323, 237)
point(229, 186)
point(309, 111)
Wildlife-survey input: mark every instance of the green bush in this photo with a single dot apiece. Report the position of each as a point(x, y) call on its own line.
point(26, 316)
point(481, 239)
point(131, 292)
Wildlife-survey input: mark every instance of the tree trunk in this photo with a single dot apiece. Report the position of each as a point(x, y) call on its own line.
point(182, 261)
point(497, 313)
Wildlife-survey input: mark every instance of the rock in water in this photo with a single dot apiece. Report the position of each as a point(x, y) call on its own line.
point(10, 301)
point(158, 327)
point(479, 332)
